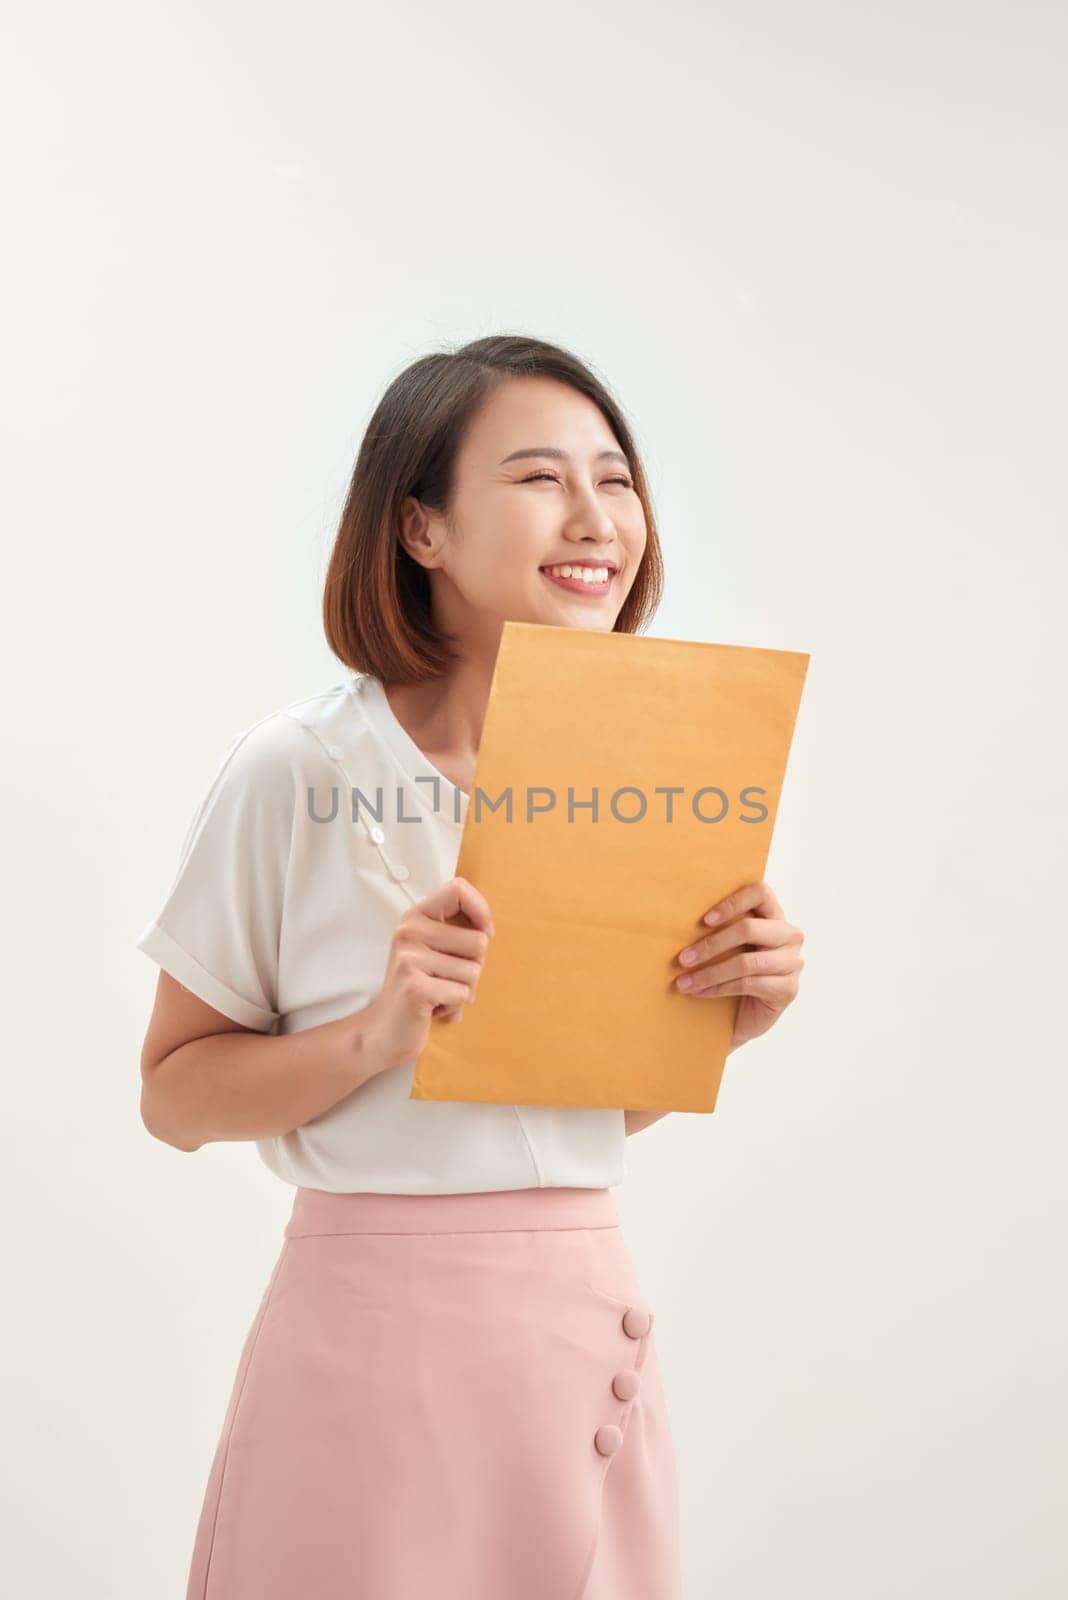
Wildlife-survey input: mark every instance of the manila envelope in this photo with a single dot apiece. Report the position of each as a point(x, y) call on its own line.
point(576, 1005)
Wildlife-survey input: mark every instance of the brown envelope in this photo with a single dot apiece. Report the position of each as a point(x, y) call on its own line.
point(576, 1005)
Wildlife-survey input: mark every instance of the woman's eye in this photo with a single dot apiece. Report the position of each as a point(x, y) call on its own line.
point(551, 476)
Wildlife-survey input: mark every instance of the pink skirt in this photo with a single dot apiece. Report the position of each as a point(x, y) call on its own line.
point(445, 1397)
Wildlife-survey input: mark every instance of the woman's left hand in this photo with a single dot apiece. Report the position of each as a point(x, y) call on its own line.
point(766, 977)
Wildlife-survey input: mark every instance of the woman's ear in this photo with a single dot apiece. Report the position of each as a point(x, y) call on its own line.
point(421, 532)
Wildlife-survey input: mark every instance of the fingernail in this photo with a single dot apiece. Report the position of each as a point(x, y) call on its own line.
point(712, 916)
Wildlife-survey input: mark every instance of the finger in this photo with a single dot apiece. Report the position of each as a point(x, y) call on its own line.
point(459, 898)
point(417, 958)
point(470, 942)
point(750, 929)
point(444, 992)
point(454, 968)
point(751, 964)
point(776, 993)
point(756, 897)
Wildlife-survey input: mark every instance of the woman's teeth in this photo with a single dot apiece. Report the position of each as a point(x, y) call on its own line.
point(583, 574)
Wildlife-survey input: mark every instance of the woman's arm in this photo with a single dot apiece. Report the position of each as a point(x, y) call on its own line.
point(205, 1077)
point(635, 1121)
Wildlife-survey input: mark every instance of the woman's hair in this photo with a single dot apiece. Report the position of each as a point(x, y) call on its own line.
point(376, 600)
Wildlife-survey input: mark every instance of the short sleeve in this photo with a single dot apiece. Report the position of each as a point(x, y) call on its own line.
point(218, 931)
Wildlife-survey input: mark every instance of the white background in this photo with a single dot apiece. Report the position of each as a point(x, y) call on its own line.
point(819, 252)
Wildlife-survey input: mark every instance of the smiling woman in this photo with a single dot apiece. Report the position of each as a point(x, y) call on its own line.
point(451, 1384)
point(442, 492)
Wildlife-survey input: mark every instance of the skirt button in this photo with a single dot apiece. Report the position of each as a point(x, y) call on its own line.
point(625, 1384)
point(608, 1439)
point(636, 1322)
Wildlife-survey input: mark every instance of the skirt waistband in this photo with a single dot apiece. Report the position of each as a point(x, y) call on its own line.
point(493, 1211)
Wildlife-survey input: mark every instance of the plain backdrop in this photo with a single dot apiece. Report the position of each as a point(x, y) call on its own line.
point(819, 252)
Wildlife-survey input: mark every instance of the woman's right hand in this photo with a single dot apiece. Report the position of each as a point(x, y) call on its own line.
point(433, 970)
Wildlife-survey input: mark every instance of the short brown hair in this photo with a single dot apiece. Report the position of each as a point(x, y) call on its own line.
point(376, 599)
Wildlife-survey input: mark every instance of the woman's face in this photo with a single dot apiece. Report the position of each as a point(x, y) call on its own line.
point(540, 482)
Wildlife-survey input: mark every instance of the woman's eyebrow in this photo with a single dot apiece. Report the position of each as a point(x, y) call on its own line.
point(562, 455)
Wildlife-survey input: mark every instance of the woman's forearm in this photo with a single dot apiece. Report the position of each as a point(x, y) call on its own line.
point(254, 1085)
point(635, 1121)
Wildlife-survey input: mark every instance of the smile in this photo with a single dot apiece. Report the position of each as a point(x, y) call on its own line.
point(581, 578)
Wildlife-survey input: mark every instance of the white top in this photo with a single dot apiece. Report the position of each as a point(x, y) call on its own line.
point(281, 921)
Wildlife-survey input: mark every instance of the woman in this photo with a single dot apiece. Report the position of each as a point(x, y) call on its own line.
point(450, 1387)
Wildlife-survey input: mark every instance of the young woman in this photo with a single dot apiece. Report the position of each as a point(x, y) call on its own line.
point(450, 1387)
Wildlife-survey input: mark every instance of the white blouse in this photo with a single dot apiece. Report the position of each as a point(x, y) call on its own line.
point(281, 915)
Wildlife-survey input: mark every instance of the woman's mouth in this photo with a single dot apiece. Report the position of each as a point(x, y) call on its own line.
point(581, 577)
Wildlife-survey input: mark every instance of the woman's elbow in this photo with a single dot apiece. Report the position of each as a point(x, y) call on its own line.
point(156, 1125)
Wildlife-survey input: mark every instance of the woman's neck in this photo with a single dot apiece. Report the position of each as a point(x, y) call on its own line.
point(445, 718)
